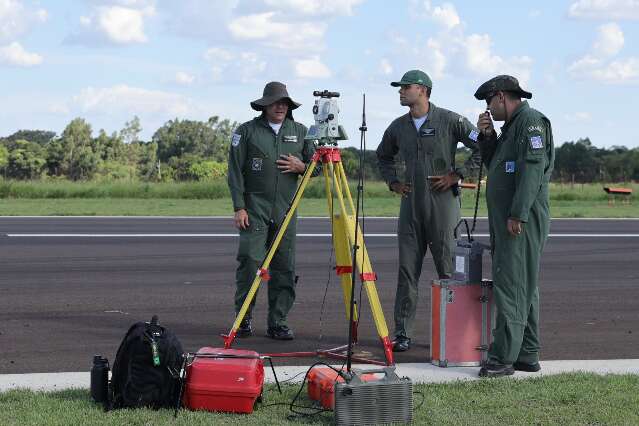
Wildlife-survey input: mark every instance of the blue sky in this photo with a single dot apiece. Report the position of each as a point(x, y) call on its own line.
point(108, 60)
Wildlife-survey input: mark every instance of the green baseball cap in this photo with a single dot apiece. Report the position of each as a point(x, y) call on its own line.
point(501, 83)
point(414, 77)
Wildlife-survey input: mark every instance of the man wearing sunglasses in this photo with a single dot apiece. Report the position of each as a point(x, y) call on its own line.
point(519, 163)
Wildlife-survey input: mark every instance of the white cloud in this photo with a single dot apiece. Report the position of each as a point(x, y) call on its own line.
point(122, 25)
point(385, 67)
point(116, 24)
point(15, 55)
point(184, 78)
point(311, 68)
point(609, 40)
point(446, 15)
point(266, 29)
point(601, 65)
point(315, 7)
point(228, 65)
point(481, 60)
point(16, 19)
point(605, 9)
point(578, 116)
point(619, 72)
point(123, 99)
point(215, 54)
point(452, 51)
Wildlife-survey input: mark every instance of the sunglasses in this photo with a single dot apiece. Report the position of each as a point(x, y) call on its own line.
point(489, 98)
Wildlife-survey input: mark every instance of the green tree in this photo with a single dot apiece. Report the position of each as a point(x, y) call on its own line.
point(41, 137)
point(79, 159)
point(131, 131)
point(577, 161)
point(208, 139)
point(4, 158)
point(26, 161)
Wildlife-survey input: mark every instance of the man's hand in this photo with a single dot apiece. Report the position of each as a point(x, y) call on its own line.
point(443, 182)
point(514, 227)
point(400, 188)
point(241, 219)
point(485, 125)
point(290, 164)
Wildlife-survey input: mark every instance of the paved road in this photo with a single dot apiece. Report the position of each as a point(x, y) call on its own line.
point(66, 296)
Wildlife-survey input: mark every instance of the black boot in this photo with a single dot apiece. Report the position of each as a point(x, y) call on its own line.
point(401, 344)
point(496, 370)
point(245, 329)
point(524, 366)
point(281, 332)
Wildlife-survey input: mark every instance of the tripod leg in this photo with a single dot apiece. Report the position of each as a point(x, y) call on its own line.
point(262, 271)
point(344, 267)
point(363, 264)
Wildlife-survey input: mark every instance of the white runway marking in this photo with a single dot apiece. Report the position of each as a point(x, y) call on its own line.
point(227, 235)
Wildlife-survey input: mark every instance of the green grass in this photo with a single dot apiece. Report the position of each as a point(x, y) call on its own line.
point(222, 207)
point(211, 198)
point(570, 399)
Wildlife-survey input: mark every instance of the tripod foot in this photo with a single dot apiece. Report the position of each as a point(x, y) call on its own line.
point(228, 339)
point(388, 350)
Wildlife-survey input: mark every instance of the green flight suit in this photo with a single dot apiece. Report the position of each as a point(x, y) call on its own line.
point(519, 163)
point(257, 185)
point(426, 218)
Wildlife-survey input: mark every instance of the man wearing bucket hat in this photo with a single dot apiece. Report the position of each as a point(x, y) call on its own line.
point(519, 163)
point(266, 157)
point(426, 139)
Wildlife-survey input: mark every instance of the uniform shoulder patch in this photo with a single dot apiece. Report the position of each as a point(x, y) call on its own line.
point(474, 134)
point(535, 128)
point(235, 139)
point(536, 142)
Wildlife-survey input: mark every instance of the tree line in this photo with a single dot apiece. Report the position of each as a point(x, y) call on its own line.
point(191, 150)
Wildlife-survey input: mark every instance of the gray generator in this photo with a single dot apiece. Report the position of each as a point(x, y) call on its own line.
point(468, 257)
point(388, 400)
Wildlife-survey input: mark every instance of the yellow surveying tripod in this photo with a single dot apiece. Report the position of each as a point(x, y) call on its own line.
point(346, 232)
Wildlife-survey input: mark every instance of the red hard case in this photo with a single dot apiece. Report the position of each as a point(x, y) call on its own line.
point(224, 384)
point(461, 322)
point(321, 385)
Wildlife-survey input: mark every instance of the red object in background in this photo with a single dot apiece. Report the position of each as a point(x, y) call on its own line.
point(231, 382)
point(321, 385)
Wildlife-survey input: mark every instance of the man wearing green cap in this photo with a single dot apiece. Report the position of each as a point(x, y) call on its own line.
point(426, 139)
point(266, 157)
point(519, 162)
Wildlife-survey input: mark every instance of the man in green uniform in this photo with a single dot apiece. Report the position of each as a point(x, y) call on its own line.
point(426, 139)
point(266, 157)
point(519, 162)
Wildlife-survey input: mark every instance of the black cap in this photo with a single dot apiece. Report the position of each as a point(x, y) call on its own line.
point(501, 83)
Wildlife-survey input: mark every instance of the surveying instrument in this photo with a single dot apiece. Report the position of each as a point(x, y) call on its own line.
point(348, 242)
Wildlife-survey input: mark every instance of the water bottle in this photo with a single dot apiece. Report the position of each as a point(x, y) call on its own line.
point(99, 378)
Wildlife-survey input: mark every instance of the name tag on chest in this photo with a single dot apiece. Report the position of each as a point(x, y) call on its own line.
point(289, 139)
point(427, 132)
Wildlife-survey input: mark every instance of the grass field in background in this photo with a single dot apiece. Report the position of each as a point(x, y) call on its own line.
point(222, 207)
point(212, 199)
point(563, 399)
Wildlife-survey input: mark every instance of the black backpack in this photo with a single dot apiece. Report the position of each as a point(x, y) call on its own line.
point(146, 370)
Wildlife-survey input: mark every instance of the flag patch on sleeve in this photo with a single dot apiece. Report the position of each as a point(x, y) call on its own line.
point(473, 135)
point(535, 142)
point(510, 167)
point(235, 139)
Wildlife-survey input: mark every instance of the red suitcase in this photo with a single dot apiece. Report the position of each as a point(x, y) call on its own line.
point(228, 380)
point(321, 385)
point(461, 322)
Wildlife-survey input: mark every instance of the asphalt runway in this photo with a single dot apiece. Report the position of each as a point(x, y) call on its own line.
point(70, 288)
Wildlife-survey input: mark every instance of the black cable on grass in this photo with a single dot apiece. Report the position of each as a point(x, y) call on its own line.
point(422, 401)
